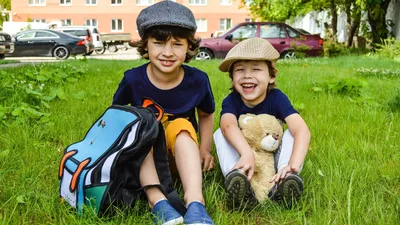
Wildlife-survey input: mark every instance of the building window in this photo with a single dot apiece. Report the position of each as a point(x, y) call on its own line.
point(91, 2)
point(248, 20)
point(225, 24)
point(116, 2)
point(225, 2)
point(66, 22)
point(201, 25)
point(37, 2)
point(91, 22)
point(144, 2)
point(65, 2)
point(39, 20)
point(117, 25)
point(197, 2)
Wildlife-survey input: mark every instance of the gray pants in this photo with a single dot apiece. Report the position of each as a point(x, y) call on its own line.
point(228, 156)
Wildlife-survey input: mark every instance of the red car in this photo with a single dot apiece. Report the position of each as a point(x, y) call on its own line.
point(280, 35)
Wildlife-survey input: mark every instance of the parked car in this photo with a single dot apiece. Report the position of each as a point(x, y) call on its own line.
point(80, 31)
point(43, 42)
point(6, 45)
point(282, 36)
point(97, 41)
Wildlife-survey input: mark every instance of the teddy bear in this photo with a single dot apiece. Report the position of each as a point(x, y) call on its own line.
point(264, 133)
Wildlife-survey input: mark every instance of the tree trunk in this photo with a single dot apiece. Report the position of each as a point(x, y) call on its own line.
point(377, 20)
point(334, 19)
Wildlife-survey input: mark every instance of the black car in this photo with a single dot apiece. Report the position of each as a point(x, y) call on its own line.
point(6, 44)
point(42, 42)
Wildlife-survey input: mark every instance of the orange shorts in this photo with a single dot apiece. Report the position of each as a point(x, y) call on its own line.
point(173, 128)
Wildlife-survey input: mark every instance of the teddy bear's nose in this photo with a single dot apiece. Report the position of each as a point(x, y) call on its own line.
point(275, 136)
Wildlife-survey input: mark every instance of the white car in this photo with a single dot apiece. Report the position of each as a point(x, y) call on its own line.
point(97, 42)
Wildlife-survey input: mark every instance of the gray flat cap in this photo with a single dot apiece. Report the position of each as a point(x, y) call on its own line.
point(165, 13)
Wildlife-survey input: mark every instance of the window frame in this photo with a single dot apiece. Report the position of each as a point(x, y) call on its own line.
point(91, 22)
point(117, 30)
point(225, 2)
point(91, 3)
point(225, 23)
point(42, 3)
point(65, 24)
point(202, 27)
point(139, 2)
point(194, 2)
point(66, 4)
point(116, 3)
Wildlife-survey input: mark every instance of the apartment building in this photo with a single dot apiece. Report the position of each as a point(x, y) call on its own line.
point(119, 16)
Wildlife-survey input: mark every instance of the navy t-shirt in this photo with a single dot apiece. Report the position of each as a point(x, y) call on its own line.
point(179, 102)
point(276, 103)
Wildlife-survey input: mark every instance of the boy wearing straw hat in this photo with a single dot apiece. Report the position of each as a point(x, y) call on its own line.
point(252, 68)
point(167, 40)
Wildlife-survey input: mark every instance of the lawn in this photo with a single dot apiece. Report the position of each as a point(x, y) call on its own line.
point(351, 105)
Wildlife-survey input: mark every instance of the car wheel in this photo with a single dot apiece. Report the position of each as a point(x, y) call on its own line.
point(89, 53)
point(204, 54)
point(100, 51)
point(2, 56)
point(61, 52)
point(112, 48)
point(289, 55)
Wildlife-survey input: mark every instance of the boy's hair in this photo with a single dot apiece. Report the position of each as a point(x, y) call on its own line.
point(273, 72)
point(164, 33)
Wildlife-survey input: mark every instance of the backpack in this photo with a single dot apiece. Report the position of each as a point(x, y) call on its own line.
point(102, 170)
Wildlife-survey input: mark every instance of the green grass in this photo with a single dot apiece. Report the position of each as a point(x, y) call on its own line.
point(8, 61)
point(350, 172)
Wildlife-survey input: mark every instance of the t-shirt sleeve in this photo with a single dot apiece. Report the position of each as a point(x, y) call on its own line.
point(284, 106)
point(229, 106)
point(207, 104)
point(123, 95)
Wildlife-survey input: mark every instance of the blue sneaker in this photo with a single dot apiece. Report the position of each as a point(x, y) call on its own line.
point(196, 214)
point(165, 214)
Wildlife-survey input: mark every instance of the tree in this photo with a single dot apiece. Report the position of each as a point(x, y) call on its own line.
point(282, 10)
point(376, 11)
point(4, 4)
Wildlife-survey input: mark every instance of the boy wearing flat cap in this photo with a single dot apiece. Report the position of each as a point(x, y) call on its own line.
point(252, 68)
point(167, 40)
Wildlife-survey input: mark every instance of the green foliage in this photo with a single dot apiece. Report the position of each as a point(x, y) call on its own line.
point(394, 104)
point(300, 50)
point(26, 94)
point(390, 48)
point(332, 48)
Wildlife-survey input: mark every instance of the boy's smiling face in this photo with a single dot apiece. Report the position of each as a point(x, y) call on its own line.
point(167, 56)
point(251, 80)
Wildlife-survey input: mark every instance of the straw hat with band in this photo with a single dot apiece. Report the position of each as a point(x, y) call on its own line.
point(250, 49)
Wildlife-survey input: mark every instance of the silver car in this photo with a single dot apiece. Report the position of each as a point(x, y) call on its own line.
point(6, 45)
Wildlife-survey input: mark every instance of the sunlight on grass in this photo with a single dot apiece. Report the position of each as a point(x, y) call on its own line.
point(350, 173)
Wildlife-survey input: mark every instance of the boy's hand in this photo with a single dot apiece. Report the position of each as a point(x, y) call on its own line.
point(207, 160)
point(282, 174)
point(247, 164)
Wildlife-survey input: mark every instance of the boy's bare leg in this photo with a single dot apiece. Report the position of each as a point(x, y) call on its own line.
point(148, 175)
point(187, 158)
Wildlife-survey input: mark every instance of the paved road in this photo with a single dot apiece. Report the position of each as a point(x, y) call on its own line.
point(130, 54)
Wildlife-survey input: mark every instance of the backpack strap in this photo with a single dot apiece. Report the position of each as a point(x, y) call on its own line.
point(163, 170)
point(161, 161)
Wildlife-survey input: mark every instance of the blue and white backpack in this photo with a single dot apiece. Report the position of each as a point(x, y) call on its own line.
point(102, 170)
